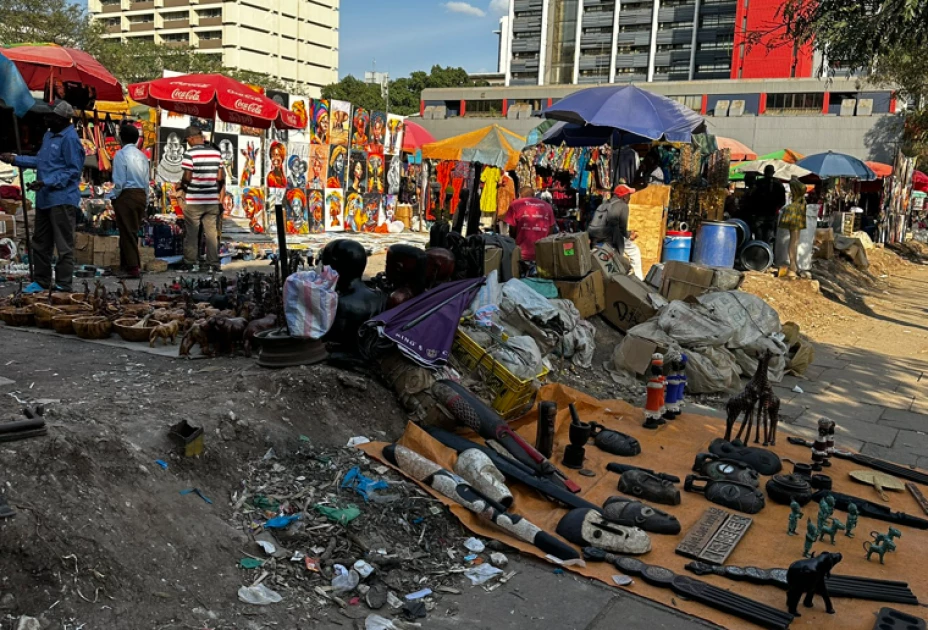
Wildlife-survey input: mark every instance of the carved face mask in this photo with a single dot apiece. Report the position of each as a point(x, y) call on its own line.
point(586, 527)
point(631, 513)
point(708, 465)
point(648, 487)
point(479, 470)
point(763, 461)
point(614, 442)
point(730, 494)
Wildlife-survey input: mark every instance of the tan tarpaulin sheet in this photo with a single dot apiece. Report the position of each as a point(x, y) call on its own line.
point(672, 449)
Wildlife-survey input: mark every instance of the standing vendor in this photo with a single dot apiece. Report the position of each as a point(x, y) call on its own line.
point(768, 198)
point(530, 220)
point(130, 197)
point(610, 224)
point(58, 165)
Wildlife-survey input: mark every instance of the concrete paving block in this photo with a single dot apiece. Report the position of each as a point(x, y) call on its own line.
point(899, 456)
point(525, 602)
point(908, 420)
point(912, 441)
point(839, 407)
point(630, 612)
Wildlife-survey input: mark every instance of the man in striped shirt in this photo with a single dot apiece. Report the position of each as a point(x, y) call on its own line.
point(203, 183)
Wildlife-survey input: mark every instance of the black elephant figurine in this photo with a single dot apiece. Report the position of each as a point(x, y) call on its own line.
point(808, 576)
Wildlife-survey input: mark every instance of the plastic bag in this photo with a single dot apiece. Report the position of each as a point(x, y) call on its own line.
point(259, 595)
point(310, 302)
point(344, 581)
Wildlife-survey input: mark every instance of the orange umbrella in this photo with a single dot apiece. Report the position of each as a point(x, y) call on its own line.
point(739, 151)
point(881, 170)
point(40, 62)
point(493, 146)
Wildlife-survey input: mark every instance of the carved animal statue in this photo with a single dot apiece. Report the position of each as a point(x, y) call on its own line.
point(808, 576)
point(225, 333)
point(124, 295)
point(195, 336)
point(881, 548)
point(254, 327)
point(756, 402)
point(835, 527)
point(164, 331)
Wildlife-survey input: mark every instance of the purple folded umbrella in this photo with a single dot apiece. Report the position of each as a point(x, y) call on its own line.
point(423, 328)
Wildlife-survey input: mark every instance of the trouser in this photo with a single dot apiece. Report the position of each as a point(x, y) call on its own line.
point(196, 215)
point(633, 253)
point(129, 208)
point(54, 229)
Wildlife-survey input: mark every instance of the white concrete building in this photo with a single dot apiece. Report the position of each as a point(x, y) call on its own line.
point(293, 40)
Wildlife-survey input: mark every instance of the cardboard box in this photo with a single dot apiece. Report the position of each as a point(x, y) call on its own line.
point(564, 256)
point(7, 225)
point(824, 244)
point(682, 280)
point(628, 302)
point(588, 295)
point(609, 261)
point(634, 353)
point(146, 254)
point(106, 259)
point(105, 244)
point(83, 248)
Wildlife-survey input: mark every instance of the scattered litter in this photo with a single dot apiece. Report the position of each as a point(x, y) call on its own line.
point(304, 438)
point(28, 623)
point(376, 596)
point(481, 574)
point(357, 441)
point(258, 595)
point(393, 601)
point(622, 580)
point(312, 564)
point(499, 559)
point(342, 516)
point(250, 563)
point(261, 502)
point(414, 610)
point(355, 480)
point(798, 389)
point(376, 622)
point(162, 463)
point(472, 544)
point(281, 522)
point(298, 556)
point(344, 581)
point(267, 545)
point(363, 568)
point(271, 454)
point(470, 557)
point(500, 581)
point(380, 469)
point(418, 594)
point(559, 571)
point(197, 492)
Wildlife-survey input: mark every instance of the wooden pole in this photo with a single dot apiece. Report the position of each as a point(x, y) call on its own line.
point(22, 181)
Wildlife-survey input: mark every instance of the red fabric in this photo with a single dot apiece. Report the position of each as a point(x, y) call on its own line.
point(533, 220)
point(920, 181)
point(414, 136)
point(208, 95)
point(38, 63)
point(456, 185)
point(443, 177)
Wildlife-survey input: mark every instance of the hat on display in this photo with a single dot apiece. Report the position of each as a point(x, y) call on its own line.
point(60, 108)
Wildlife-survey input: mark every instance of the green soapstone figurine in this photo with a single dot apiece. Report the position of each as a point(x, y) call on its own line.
point(795, 516)
point(811, 536)
point(852, 514)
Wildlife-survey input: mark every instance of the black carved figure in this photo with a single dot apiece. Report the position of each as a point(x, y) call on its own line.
point(356, 302)
point(808, 576)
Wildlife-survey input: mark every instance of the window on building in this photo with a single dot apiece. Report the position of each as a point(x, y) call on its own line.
point(676, 3)
point(722, 42)
point(210, 35)
point(666, 47)
point(693, 101)
point(109, 3)
point(174, 15)
point(488, 108)
point(142, 19)
point(210, 13)
point(634, 28)
point(795, 103)
point(716, 20)
point(713, 67)
point(176, 37)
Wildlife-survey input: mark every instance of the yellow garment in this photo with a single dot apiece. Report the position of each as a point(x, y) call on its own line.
point(490, 178)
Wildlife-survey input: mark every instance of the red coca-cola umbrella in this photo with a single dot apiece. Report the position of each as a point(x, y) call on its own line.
point(209, 95)
point(40, 62)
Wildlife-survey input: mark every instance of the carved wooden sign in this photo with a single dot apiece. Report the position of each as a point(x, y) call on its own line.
point(714, 536)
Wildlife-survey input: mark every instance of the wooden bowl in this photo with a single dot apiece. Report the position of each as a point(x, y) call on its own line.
point(78, 298)
point(18, 316)
point(92, 327)
point(134, 310)
point(59, 299)
point(44, 314)
point(64, 324)
point(124, 328)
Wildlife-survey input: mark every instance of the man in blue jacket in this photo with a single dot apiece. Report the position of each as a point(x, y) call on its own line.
point(59, 165)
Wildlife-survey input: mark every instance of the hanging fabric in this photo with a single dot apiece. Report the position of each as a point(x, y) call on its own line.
point(490, 178)
point(505, 195)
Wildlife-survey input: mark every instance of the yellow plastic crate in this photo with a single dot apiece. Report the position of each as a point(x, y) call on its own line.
point(512, 396)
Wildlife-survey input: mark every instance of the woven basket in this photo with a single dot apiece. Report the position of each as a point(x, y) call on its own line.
point(60, 299)
point(18, 316)
point(44, 314)
point(135, 310)
point(64, 324)
point(93, 327)
point(78, 298)
point(124, 328)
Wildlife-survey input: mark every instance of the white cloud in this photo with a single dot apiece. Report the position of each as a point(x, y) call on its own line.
point(499, 7)
point(465, 8)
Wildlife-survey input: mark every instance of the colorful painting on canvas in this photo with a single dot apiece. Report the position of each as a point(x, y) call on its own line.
point(394, 138)
point(334, 210)
point(253, 208)
point(338, 165)
point(373, 212)
point(228, 149)
point(315, 201)
point(297, 164)
point(319, 122)
point(360, 128)
point(249, 164)
point(318, 163)
point(276, 157)
point(295, 211)
point(300, 105)
point(339, 123)
point(377, 133)
point(375, 174)
point(357, 172)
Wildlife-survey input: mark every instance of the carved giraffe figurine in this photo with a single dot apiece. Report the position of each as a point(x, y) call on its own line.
point(747, 402)
point(764, 394)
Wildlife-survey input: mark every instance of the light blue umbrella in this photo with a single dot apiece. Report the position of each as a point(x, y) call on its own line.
point(832, 164)
point(630, 110)
point(14, 92)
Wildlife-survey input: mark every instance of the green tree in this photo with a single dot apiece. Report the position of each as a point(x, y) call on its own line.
point(405, 92)
point(45, 21)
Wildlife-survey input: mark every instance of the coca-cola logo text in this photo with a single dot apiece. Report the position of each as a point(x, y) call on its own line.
point(180, 108)
point(251, 108)
point(186, 95)
point(235, 117)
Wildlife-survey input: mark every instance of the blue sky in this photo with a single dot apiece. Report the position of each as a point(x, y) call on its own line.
point(408, 35)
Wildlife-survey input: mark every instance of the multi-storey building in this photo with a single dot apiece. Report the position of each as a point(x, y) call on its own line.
point(554, 42)
point(293, 40)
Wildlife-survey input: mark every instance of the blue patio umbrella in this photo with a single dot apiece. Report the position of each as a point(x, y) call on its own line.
point(630, 110)
point(574, 135)
point(832, 164)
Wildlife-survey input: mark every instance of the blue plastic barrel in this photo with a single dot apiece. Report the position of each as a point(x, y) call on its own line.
point(677, 246)
point(716, 244)
point(744, 232)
